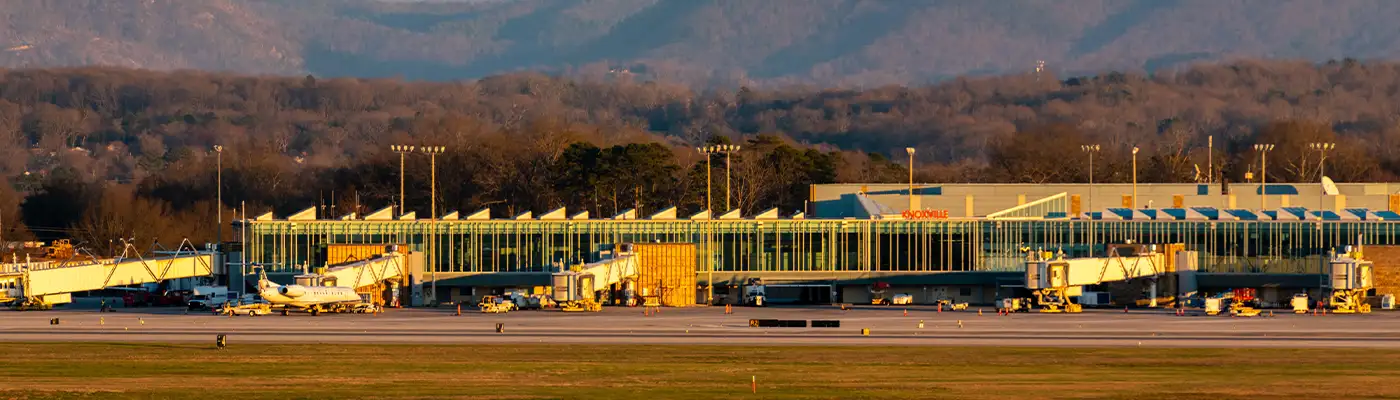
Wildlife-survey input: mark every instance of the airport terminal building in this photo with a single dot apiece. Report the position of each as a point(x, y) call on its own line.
point(961, 241)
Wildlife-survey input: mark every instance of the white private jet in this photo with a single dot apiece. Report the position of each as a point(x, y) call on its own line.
point(312, 299)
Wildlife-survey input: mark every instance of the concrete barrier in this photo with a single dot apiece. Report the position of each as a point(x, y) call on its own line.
point(777, 323)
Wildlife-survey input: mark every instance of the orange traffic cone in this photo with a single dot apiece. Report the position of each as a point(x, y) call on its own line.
point(906, 312)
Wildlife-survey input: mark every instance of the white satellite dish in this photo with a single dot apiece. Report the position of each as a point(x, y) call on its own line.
point(1328, 187)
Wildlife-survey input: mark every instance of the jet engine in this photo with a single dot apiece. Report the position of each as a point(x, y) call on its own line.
point(291, 291)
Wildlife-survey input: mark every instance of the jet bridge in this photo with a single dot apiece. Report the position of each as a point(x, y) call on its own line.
point(1054, 279)
point(577, 288)
point(390, 266)
point(42, 284)
point(1351, 277)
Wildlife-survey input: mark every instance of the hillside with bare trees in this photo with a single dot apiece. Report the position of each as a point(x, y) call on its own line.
point(97, 152)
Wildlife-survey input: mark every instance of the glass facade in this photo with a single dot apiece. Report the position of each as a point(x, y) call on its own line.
point(814, 245)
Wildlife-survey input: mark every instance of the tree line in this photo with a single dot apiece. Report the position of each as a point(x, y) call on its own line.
point(100, 153)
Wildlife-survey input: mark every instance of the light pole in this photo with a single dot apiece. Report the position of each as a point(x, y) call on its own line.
point(219, 182)
point(243, 246)
point(1322, 148)
point(1135, 198)
point(402, 150)
point(1091, 149)
point(1263, 150)
point(432, 152)
point(910, 150)
point(728, 150)
point(709, 152)
point(219, 206)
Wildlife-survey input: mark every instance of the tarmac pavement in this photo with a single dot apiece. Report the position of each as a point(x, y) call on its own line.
point(710, 325)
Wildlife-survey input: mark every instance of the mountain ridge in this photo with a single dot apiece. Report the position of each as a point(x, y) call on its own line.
point(716, 43)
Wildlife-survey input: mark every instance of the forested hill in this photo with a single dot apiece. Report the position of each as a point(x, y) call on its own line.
point(98, 152)
point(702, 43)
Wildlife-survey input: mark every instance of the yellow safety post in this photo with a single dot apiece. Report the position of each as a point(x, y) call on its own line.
point(921, 324)
point(865, 331)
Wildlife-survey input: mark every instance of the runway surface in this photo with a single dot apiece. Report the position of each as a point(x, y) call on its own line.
point(888, 326)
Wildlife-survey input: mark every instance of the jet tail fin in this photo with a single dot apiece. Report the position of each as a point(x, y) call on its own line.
point(263, 282)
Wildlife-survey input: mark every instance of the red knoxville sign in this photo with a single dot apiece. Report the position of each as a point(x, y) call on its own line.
point(925, 214)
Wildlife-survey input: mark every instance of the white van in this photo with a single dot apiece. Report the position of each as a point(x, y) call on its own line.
point(207, 297)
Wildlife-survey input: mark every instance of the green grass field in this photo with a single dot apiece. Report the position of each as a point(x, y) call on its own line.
point(244, 371)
